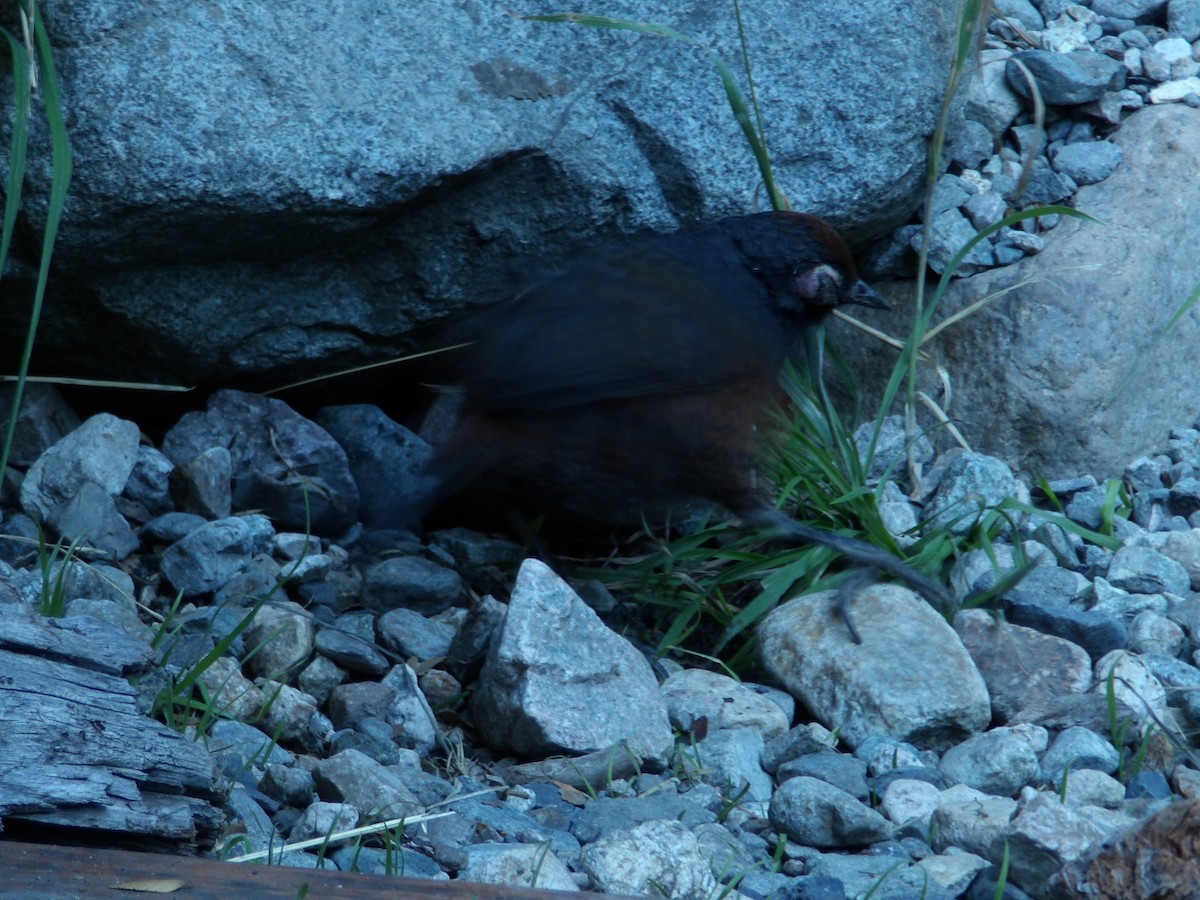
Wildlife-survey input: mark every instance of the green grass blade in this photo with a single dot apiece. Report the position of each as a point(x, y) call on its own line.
point(62, 163)
point(22, 92)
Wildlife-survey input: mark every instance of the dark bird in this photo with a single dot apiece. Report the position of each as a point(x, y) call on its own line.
point(631, 382)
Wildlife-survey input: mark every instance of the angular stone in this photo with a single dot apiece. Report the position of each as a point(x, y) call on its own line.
point(930, 694)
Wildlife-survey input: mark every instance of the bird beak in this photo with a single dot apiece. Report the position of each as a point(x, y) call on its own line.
point(862, 293)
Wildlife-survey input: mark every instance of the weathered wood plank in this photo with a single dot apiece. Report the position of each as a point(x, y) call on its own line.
point(80, 640)
point(75, 749)
point(44, 872)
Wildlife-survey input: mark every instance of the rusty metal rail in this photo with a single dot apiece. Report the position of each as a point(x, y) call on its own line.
point(53, 872)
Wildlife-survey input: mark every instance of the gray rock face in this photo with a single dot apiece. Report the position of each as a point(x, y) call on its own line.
point(267, 185)
point(1035, 371)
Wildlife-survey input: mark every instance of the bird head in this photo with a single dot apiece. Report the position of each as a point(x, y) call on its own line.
point(803, 262)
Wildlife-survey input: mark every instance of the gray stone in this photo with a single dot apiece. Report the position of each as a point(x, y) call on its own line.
point(258, 576)
point(102, 451)
point(412, 582)
point(730, 759)
point(1141, 570)
point(1023, 11)
point(820, 815)
point(972, 483)
point(283, 464)
point(1026, 242)
point(256, 827)
point(386, 460)
point(1078, 748)
point(800, 741)
point(1044, 186)
point(655, 857)
point(210, 556)
point(236, 746)
point(1052, 586)
point(1137, 10)
point(519, 865)
point(909, 804)
point(414, 724)
point(1000, 762)
point(42, 421)
point(1096, 632)
point(949, 192)
point(972, 144)
point(319, 678)
point(411, 634)
point(891, 449)
point(1066, 79)
point(970, 820)
point(204, 484)
point(842, 771)
point(694, 694)
point(148, 485)
point(90, 519)
point(1046, 835)
point(355, 779)
point(1185, 497)
point(986, 209)
point(1133, 684)
point(323, 818)
point(988, 99)
point(351, 703)
point(1066, 33)
point(955, 872)
point(284, 633)
point(1155, 65)
point(1089, 161)
point(121, 613)
point(471, 641)
point(950, 233)
point(838, 875)
point(1021, 666)
point(379, 747)
point(287, 784)
point(1151, 632)
point(1180, 680)
point(931, 694)
point(171, 527)
point(608, 814)
point(556, 679)
point(1091, 787)
point(346, 646)
point(1087, 507)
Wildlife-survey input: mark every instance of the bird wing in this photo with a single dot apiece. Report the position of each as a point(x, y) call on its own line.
point(646, 319)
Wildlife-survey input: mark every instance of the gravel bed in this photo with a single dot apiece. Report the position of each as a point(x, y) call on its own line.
point(574, 758)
